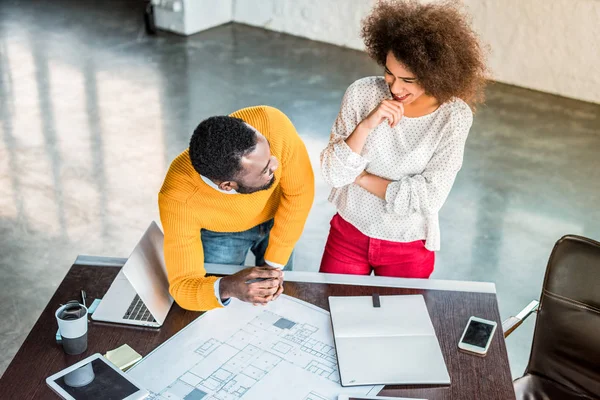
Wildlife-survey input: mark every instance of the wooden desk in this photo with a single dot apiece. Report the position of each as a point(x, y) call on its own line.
point(472, 377)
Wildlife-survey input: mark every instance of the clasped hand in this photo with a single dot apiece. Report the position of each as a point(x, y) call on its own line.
point(256, 285)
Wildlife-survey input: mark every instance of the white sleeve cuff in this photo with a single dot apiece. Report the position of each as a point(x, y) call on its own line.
point(274, 265)
point(218, 293)
point(349, 158)
point(400, 198)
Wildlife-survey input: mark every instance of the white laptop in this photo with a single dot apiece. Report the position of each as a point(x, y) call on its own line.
point(389, 340)
point(139, 295)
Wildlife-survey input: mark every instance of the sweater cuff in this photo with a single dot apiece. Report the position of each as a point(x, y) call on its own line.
point(278, 256)
point(274, 264)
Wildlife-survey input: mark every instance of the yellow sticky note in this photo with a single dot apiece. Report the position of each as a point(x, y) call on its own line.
point(123, 357)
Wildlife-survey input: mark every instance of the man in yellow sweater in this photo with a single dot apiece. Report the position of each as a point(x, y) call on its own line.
point(245, 183)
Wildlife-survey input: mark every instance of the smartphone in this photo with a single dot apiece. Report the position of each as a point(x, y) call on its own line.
point(477, 336)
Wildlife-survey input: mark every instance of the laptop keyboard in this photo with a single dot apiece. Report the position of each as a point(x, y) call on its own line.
point(138, 311)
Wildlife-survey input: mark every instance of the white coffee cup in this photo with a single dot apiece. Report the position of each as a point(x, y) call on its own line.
point(72, 324)
point(82, 376)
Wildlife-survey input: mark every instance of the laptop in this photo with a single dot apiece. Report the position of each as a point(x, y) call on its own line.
point(139, 295)
point(386, 340)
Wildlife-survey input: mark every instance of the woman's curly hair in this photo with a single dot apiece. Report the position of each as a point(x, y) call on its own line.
point(434, 41)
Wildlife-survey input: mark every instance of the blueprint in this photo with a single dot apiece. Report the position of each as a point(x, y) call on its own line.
point(284, 350)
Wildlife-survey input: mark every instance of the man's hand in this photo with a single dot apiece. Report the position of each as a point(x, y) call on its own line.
point(280, 290)
point(256, 285)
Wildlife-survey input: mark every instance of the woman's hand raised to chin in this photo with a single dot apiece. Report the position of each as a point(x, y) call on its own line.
point(391, 110)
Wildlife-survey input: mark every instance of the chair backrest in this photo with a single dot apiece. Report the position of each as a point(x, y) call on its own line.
point(566, 342)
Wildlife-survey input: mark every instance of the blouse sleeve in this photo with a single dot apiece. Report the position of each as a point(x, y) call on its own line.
point(427, 192)
point(339, 164)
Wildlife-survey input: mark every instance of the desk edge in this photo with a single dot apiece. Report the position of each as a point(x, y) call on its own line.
point(316, 277)
point(361, 280)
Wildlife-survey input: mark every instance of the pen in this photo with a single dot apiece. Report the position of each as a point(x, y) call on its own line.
point(257, 280)
point(83, 297)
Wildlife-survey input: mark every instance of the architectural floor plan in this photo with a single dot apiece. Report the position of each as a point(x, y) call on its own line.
point(282, 351)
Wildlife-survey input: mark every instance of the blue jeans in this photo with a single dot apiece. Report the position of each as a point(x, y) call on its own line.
point(232, 247)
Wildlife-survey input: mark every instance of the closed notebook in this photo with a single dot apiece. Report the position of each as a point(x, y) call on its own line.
point(394, 343)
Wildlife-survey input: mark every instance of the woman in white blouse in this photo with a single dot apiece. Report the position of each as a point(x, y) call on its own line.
point(398, 141)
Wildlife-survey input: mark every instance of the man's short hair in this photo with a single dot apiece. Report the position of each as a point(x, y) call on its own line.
point(218, 145)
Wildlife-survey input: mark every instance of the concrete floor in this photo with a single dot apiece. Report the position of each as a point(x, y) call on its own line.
point(92, 111)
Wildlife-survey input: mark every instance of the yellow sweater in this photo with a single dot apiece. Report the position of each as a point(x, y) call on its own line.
point(187, 204)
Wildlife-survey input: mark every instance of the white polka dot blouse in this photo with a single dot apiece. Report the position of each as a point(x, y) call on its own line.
point(420, 155)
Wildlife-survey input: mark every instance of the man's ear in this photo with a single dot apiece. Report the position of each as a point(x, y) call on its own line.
point(228, 186)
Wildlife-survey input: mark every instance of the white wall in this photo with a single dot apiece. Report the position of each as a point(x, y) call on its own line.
point(187, 17)
point(331, 21)
point(547, 45)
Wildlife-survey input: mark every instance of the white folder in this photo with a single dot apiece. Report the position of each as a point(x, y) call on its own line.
point(392, 344)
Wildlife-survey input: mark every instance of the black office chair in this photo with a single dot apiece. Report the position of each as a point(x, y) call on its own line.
point(565, 356)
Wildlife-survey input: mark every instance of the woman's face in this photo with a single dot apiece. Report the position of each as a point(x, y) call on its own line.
point(402, 83)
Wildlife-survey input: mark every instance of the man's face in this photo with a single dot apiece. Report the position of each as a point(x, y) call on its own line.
point(258, 168)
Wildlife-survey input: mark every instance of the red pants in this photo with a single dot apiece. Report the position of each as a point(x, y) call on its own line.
point(349, 251)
